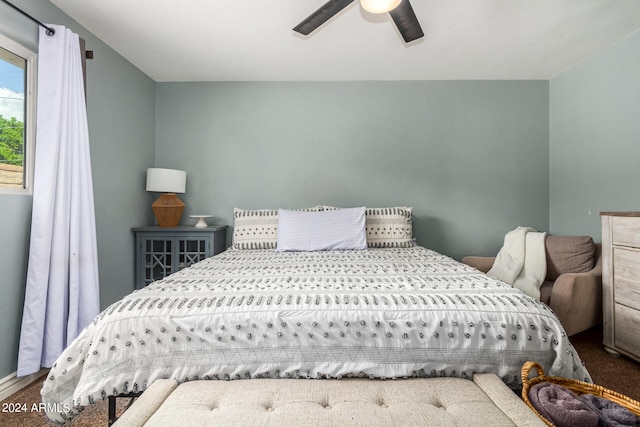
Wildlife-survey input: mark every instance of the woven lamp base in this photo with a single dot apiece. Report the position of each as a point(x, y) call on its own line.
point(168, 209)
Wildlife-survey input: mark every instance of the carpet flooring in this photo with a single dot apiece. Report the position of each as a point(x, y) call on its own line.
point(616, 373)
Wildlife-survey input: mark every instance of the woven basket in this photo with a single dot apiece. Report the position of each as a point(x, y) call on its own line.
point(578, 387)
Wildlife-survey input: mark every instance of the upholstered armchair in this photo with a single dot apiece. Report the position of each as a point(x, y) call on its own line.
point(573, 286)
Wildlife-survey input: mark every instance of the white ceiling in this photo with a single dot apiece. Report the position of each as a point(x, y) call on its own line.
point(231, 40)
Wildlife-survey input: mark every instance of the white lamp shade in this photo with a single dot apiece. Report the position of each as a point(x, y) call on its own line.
point(379, 6)
point(166, 180)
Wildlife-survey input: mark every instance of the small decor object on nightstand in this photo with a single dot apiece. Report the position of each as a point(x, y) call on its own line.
point(201, 222)
point(168, 207)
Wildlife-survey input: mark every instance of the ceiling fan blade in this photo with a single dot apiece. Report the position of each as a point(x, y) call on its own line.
point(322, 15)
point(405, 19)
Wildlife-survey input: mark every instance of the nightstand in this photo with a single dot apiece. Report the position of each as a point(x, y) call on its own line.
point(161, 251)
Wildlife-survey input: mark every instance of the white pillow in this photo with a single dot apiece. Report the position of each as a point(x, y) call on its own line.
point(342, 229)
point(387, 227)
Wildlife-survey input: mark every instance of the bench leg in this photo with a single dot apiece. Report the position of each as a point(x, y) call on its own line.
point(112, 410)
point(112, 405)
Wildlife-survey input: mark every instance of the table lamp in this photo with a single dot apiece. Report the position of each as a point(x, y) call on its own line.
point(168, 207)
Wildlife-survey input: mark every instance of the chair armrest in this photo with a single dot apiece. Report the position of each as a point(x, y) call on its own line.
point(482, 263)
point(576, 298)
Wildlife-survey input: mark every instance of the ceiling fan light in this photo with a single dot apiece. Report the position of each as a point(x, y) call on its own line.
point(379, 6)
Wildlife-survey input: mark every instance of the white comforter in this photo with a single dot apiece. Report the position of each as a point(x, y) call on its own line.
point(379, 313)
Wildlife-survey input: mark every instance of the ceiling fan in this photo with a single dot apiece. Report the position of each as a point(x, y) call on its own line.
point(400, 10)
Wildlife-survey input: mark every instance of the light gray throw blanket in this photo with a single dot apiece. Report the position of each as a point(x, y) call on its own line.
point(522, 261)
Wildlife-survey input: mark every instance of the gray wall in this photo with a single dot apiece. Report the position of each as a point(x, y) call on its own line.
point(121, 125)
point(595, 140)
point(471, 157)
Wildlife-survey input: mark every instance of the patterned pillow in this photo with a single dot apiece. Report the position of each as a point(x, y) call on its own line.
point(258, 229)
point(388, 227)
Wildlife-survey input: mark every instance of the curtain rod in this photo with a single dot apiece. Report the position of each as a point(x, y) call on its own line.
point(50, 31)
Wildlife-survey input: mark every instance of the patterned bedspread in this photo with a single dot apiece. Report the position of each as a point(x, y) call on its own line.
point(379, 313)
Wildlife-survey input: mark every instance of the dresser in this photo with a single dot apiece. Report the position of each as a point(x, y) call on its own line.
point(621, 282)
point(161, 251)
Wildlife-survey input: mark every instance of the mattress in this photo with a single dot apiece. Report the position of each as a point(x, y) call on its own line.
point(376, 313)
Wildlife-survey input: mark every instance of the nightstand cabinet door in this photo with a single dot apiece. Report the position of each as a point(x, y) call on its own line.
point(162, 251)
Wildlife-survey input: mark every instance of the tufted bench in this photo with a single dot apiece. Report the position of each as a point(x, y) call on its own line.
point(348, 402)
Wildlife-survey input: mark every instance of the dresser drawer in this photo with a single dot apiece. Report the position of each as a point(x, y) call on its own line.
point(626, 276)
point(625, 231)
point(626, 329)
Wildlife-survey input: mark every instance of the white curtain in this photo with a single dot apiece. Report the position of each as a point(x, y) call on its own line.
point(62, 295)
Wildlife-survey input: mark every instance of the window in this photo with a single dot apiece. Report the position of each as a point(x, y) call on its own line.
point(17, 117)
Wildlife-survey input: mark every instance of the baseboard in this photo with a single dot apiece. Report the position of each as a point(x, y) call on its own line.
point(12, 384)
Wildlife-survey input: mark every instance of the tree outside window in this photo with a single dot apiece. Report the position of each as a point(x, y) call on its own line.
point(16, 92)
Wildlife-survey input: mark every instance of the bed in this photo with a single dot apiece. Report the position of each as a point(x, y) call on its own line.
point(392, 310)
